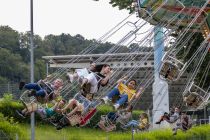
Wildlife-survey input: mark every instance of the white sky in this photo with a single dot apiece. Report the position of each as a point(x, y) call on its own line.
point(89, 18)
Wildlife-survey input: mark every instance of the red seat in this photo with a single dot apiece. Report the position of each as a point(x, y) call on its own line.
point(87, 117)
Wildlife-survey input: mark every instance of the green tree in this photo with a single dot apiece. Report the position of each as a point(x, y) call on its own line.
point(122, 4)
point(11, 67)
point(9, 39)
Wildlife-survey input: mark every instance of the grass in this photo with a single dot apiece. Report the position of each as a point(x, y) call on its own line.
point(46, 132)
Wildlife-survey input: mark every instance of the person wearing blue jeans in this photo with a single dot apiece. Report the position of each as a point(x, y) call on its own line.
point(35, 86)
point(112, 116)
point(132, 123)
point(116, 92)
point(125, 92)
point(42, 90)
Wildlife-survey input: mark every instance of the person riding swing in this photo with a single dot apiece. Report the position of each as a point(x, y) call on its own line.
point(98, 75)
point(43, 90)
point(125, 92)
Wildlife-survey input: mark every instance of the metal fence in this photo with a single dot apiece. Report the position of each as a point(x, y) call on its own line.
point(10, 88)
point(3, 136)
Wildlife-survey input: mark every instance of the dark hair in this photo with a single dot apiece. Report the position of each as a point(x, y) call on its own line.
point(132, 80)
point(106, 65)
point(130, 107)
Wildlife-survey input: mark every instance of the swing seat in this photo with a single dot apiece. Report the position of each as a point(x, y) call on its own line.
point(54, 120)
point(63, 122)
point(86, 91)
point(171, 69)
point(195, 96)
point(32, 107)
point(193, 100)
point(75, 119)
point(82, 99)
point(25, 99)
point(49, 94)
point(106, 124)
point(85, 119)
point(146, 128)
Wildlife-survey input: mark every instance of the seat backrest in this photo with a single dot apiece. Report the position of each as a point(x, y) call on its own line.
point(88, 116)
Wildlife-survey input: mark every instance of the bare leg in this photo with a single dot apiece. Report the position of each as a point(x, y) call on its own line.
point(69, 105)
point(84, 81)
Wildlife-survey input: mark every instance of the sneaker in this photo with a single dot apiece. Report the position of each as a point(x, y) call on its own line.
point(20, 114)
point(124, 127)
point(21, 85)
point(116, 106)
point(58, 127)
point(69, 77)
point(174, 133)
point(157, 122)
point(105, 99)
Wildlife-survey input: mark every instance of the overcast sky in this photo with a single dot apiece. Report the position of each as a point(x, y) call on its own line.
point(89, 18)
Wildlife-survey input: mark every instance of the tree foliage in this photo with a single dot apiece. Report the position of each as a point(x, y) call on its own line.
point(122, 4)
point(15, 52)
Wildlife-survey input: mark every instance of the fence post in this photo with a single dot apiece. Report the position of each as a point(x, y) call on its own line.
point(209, 119)
point(132, 132)
point(8, 87)
point(16, 136)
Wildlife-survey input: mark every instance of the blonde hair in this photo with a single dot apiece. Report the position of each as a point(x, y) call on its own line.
point(60, 80)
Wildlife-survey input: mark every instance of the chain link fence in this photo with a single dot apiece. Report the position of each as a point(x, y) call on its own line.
point(3, 136)
point(10, 88)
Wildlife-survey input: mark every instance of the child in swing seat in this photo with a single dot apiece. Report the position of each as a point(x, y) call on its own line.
point(126, 92)
point(121, 116)
point(142, 124)
point(75, 117)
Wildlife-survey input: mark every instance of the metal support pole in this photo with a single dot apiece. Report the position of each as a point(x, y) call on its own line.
point(160, 87)
point(205, 112)
point(132, 132)
point(32, 65)
point(47, 68)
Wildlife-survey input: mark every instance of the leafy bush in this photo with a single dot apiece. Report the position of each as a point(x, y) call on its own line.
point(74, 133)
point(8, 106)
point(10, 127)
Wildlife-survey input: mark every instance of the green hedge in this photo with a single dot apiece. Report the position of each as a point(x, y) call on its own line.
point(8, 107)
point(11, 128)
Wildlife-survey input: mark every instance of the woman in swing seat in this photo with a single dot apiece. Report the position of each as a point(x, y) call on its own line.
point(99, 76)
point(43, 89)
